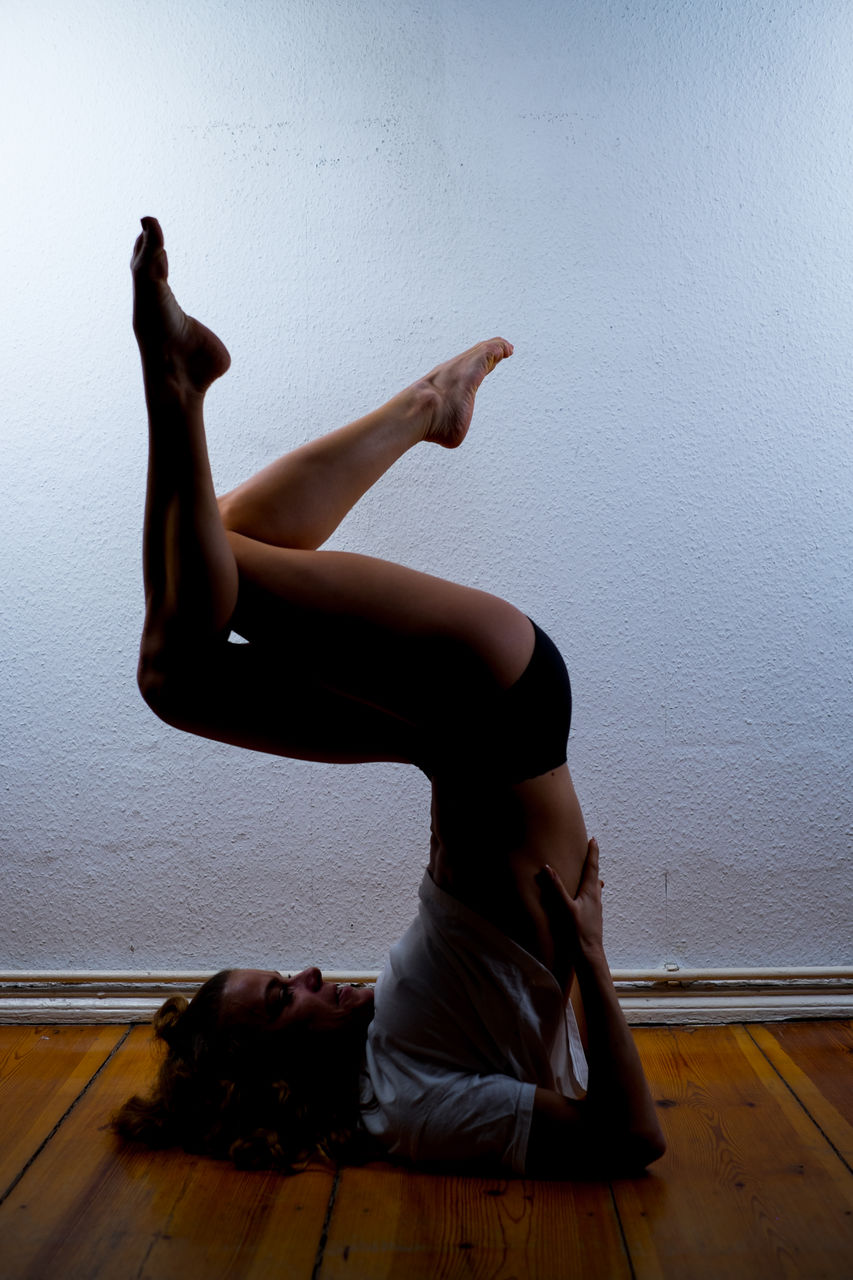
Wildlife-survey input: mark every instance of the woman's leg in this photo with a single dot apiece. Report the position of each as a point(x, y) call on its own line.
point(299, 500)
point(189, 570)
point(188, 674)
point(387, 641)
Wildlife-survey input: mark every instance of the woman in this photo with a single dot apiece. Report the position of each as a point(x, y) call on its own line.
point(472, 1055)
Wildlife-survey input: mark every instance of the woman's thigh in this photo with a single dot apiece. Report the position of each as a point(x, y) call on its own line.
point(412, 644)
point(268, 698)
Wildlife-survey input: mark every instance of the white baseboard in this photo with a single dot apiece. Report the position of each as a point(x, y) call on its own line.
point(692, 997)
point(707, 1008)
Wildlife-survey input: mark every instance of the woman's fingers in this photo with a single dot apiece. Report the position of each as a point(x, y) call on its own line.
point(590, 867)
point(557, 884)
point(589, 875)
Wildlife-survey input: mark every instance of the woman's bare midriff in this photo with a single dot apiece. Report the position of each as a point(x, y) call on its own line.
point(490, 841)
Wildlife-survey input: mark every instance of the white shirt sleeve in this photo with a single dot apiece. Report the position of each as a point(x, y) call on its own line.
point(452, 1117)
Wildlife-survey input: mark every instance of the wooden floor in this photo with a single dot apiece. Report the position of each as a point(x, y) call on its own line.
point(756, 1183)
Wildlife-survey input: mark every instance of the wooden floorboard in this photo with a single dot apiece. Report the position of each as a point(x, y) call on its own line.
point(448, 1227)
point(817, 1065)
point(754, 1184)
point(43, 1070)
point(824, 1050)
point(89, 1208)
point(749, 1186)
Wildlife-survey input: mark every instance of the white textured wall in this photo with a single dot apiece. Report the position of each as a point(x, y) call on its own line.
point(655, 203)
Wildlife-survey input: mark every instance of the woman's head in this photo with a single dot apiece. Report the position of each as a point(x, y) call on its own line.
point(263, 1004)
point(257, 1067)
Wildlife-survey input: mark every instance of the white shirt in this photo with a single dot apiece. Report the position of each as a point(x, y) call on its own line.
point(467, 1024)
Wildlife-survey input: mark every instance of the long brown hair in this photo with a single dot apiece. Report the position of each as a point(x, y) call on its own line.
point(226, 1094)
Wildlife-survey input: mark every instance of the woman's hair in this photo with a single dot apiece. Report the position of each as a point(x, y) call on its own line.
point(227, 1093)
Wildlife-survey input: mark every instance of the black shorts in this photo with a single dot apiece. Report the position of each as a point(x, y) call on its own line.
point(517, 734)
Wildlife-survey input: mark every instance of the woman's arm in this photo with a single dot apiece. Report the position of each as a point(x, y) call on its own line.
point(615, 1126)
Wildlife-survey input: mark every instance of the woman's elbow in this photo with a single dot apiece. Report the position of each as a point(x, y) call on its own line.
point(593, 1150)
point(638, 1149)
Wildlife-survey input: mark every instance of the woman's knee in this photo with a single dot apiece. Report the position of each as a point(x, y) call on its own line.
point(154, 685)
point(229, 512)
point(167, 681)
point(501, 636)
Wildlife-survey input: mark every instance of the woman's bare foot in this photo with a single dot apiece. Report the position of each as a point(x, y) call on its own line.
point(454, 385)
point(173, 345)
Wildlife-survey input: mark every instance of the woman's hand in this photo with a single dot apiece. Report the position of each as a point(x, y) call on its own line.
point(580, 916)
point(615, 1127)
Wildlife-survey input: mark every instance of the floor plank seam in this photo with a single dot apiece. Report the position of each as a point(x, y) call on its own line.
point(624, 1238)
point(800, 1102)
point(324, 1231)
point(165, 1232)
point(66, 1113)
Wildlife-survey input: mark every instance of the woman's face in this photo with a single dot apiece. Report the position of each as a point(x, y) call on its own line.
point(262, 1000)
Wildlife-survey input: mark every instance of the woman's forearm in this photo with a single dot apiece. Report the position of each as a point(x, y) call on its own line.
point(618, 1092)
